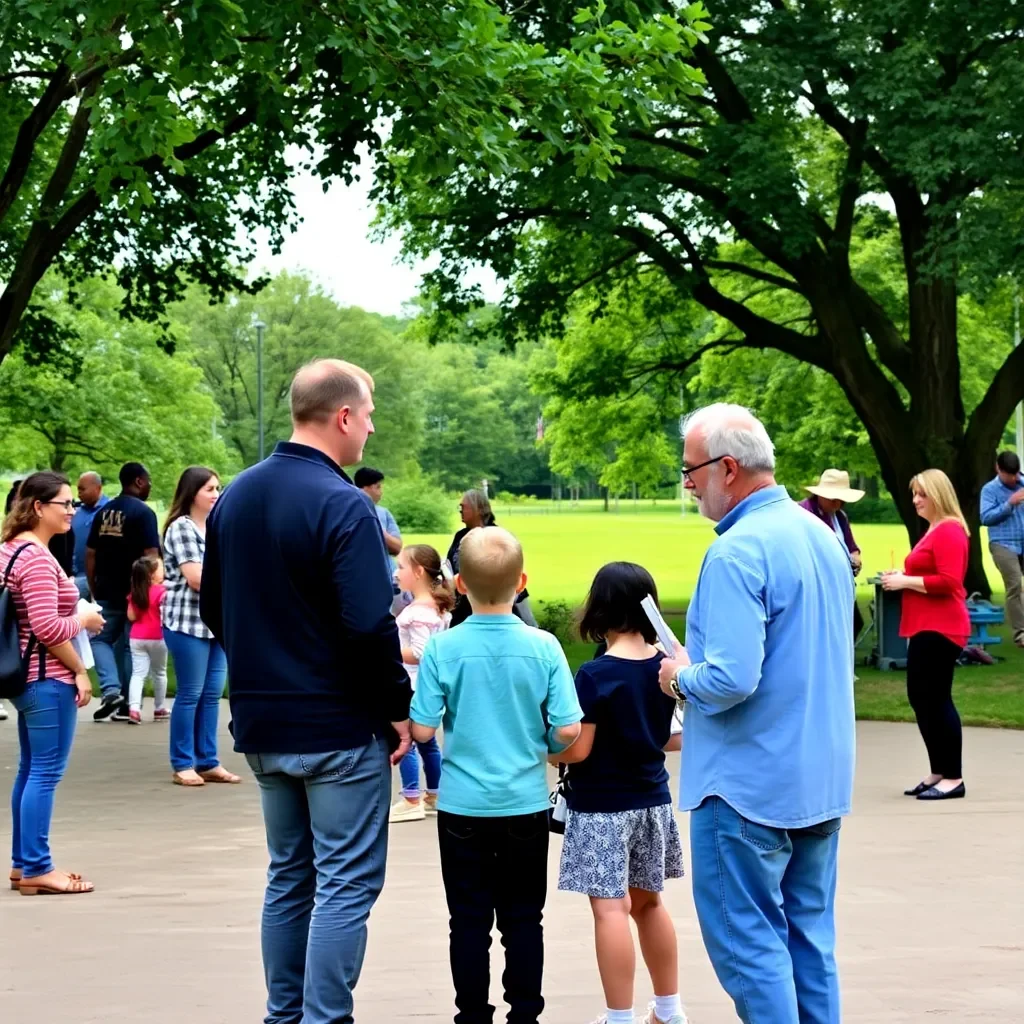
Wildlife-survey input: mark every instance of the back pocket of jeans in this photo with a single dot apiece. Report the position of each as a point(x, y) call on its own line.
point(527, 827)
point(764, 837)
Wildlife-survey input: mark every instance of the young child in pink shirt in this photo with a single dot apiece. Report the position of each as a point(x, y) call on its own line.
point(146, 639)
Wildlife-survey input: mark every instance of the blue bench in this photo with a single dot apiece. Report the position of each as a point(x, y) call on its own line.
point(984, 614)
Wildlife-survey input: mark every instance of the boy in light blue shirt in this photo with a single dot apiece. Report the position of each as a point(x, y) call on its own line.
point(505, 695)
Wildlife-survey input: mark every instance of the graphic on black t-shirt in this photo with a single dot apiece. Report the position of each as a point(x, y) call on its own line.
point(122, 531)
point(633, 723)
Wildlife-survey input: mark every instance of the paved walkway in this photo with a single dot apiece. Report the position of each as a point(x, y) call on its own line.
point(931, 905)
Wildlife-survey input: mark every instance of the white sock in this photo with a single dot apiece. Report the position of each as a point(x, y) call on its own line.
point(619, 1016)
point(667, 1007)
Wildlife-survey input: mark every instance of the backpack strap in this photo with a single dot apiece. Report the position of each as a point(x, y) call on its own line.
point(33, 641)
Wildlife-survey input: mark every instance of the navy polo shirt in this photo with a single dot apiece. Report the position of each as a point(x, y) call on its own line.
point(297, 588)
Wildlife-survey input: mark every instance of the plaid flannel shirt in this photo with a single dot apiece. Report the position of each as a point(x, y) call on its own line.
point(183, 543)
point(1005, 522)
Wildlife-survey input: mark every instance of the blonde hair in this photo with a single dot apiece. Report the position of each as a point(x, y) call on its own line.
point(491, 565)
point(936, 485)
point(427, 558)
point(322, 387)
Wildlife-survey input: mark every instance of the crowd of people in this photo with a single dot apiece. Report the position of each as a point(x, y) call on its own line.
point(350, 653)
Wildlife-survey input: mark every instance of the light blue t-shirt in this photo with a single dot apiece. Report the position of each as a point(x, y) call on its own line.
point(389, 526)
point(769, 723)
point(497, 685)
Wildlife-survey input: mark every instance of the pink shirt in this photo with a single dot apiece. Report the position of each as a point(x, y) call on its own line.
point(45, 600)
point(147, 624)
point(417, 623)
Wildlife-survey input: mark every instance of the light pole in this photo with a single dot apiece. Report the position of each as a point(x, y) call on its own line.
point(260, 328)
point(1016, 342)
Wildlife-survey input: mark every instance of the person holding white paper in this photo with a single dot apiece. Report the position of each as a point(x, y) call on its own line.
point(766, 680)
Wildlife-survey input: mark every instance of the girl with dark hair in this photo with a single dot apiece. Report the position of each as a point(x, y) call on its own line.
point(421, 574)
point(475, 510)
point(46, 602)
point(146, 639)
point(200, 667)
point(621, 838)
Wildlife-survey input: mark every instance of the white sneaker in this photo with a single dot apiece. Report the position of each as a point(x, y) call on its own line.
point(3, 713)
point(406, 810)
point(679, 1018)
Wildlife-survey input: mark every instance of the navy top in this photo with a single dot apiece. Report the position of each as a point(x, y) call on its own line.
point(626, 767)
point(297, 587)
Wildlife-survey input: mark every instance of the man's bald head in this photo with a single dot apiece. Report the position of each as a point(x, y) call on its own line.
point(90, 488)
point(324, 386)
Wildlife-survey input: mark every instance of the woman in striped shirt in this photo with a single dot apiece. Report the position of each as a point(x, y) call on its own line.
point(58, 684)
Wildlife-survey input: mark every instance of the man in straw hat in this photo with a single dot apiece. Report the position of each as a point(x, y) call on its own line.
point(828, 497)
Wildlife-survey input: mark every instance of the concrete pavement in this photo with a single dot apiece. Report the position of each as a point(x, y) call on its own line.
point(931, 903)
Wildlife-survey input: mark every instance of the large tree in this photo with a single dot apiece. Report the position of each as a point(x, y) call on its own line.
point(821, 121)
point(158, 136)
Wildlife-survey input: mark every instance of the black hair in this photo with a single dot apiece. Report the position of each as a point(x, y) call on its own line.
point(130, 472)
point(613, 603)
point(1008, 462)
point(367, 476)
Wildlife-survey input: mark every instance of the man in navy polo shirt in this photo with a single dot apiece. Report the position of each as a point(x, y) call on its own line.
point(297, 588)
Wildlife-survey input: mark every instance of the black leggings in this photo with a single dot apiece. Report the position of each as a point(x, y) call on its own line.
point(931, 659)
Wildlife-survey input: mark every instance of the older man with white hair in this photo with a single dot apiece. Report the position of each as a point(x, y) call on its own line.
point(766, 680)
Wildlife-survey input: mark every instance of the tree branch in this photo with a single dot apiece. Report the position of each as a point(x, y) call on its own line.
point(758, 275)
point(990, 416)
point(667, 142)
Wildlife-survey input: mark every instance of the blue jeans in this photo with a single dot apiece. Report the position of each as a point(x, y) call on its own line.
point(765, 901)
point(110, 650)
point(409, 767)
point(47, 715)
point(200, 670)
point(326, 817)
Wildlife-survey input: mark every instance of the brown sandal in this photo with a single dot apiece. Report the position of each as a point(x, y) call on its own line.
point(76, 886)
point(16, 879)
point(220, 774)
point(181, 779)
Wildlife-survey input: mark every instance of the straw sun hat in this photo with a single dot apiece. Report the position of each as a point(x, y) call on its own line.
point(835, 484)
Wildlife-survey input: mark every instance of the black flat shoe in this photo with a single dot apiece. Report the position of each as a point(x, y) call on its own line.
point(918, 789)
point(936, 794)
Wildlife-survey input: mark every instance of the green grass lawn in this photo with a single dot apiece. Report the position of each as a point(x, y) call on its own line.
point(564, 550)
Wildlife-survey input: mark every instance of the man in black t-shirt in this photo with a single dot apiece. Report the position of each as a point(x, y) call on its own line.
point(122, 531)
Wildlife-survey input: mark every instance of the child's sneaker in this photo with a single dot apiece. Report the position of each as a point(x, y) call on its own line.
point(430, 803)
point(135, 717)
point(161, 715)
point(406, 810)
point(678, 1018)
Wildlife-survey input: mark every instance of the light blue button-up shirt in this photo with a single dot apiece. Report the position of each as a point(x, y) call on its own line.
point(81, 524)
point(769, 721)
point(1005, 522)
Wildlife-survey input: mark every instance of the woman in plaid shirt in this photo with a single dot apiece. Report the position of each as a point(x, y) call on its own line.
point(200, 667)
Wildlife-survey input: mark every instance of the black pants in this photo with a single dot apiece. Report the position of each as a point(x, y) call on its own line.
point(495, 868)
point(931, 659)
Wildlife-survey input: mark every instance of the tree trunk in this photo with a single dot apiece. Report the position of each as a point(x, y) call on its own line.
point(605, 489)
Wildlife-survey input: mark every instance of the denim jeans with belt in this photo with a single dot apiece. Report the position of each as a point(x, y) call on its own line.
point(200, 672)
point(326, 817)
point(47, 714)
point(765, 900)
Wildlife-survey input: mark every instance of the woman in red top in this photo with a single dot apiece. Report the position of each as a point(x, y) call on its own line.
point(46, 601)
point(936, 622)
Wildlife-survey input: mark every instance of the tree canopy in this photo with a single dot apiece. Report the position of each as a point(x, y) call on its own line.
point(159, 137)
point(820, 126)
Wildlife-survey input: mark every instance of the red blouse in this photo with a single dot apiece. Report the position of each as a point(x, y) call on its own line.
point(940, 557)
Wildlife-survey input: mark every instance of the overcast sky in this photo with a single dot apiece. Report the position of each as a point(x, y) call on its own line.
point(332, 244)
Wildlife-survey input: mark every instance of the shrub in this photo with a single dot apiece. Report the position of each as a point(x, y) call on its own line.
point(418, 505)
point(873, 510)
point(557, 617)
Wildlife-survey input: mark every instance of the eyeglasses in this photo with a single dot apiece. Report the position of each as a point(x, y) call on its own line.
point(689, 470)
point(68, 506)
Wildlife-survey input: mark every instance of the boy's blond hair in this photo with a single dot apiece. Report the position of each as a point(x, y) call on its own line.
point(491, 565)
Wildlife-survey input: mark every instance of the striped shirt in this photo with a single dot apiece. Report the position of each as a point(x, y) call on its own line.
point(45, 600)
point(1005, 522)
